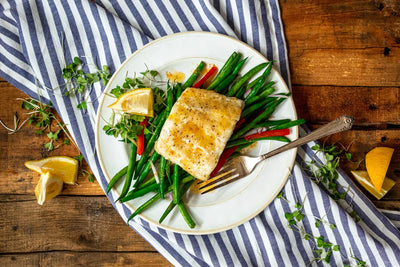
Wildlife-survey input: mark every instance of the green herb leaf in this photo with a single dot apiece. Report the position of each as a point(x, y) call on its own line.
point(82, 105)
point(53, 136)
point(49, 146)
point(79, 158)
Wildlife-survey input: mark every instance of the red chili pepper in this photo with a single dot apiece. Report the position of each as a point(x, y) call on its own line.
point(280, 132)
point(224, 156)
point(140, 140)
point(240, 123)
point(205, 77)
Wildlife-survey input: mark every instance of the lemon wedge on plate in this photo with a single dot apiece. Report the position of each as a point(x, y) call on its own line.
point(48, 187)
point(139, 102)
point(64, 168)
point(377, 163)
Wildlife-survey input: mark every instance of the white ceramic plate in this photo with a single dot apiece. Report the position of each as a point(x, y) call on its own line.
point(231, 205)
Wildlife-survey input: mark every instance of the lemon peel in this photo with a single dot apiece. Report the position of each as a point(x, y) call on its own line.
point(48, 187)
point(139, 102)
point(377, 163)
point(65, 168)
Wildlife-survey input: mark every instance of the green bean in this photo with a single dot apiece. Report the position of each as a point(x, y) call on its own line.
point(224, 84)
point(129, 173)
point(178, 93)
point(161, 176)
point(139, 193)
point(251, 84)
point(266, 91)
point(266, 113)
point(241, 92)
point(170, 99)
point(288, 124)
point(185, 187)
point(258, 106)
point(148, 182)
point(194, 75)
point(168, 171)
point(271, 123)
point(275, 138)
point(186, 215)
point(239, 66)
point(245, 78)
point(259, 83)
point(156, 197)
point(167, 211)
point(146, 169)
point(226, 75)
point(116, 178)
point(217, 78)
point(242, 141)
point(175, 182)
point(144, 206)
point(229, 63)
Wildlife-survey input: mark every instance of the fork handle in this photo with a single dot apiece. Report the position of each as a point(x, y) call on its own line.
point(341, 124)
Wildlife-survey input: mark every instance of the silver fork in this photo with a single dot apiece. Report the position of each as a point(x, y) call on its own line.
point(241, 166)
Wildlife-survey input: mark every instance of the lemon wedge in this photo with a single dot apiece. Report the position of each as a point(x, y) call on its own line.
point(139, 102)
point(363, 178)
point(48, 187)
point(64, 168)
point(377, 163)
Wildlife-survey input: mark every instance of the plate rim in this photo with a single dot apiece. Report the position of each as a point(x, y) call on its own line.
point(149, 220)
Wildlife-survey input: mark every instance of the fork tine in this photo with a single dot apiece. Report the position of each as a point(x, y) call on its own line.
point(228, 165)
point(216, 179)
point(231, 179)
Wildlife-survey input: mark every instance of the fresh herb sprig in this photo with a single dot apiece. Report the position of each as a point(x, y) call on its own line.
point(78, 82)
point(42, 116)
point(326, 174)
point(83, 172)
point(127, 127)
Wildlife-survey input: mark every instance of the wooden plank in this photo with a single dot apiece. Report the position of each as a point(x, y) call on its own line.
point(346, 67)
point(347, 43)
point(71, 258)
point(67, 223)
point(340, 24)
point(371, 106)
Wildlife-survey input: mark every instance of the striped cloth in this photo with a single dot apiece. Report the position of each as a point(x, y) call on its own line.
point(38, 37)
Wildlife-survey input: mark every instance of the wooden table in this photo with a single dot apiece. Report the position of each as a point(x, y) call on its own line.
point(344, 59)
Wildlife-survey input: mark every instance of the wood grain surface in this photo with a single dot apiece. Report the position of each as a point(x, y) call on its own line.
point(344, 59)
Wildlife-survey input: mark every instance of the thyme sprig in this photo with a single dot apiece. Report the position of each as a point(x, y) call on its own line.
point(325, 173)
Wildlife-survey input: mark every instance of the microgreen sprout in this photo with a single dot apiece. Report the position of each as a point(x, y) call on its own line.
point(280, 195)
point(79, 82)
point(17, 124)
point(83, 172)
point(42, 116)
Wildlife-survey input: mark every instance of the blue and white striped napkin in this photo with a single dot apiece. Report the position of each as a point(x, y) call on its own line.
point(37, 37)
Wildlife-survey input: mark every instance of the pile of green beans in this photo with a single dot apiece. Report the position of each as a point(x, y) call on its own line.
point(259, 106)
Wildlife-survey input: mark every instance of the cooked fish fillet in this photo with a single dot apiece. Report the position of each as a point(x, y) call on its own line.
point(197, 130)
